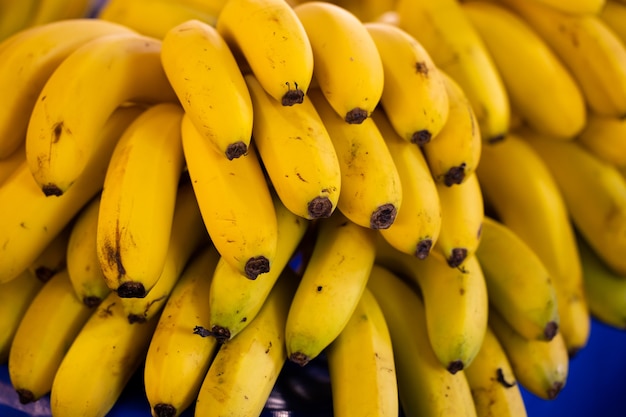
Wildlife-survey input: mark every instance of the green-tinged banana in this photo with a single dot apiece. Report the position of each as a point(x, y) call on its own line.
point(332, 283)
point(361, 364)
point(518, 187)
point(234, 300)
point(235, 202)
point(15, 297)
point(297, 153)
point(9, 164)
point(187, 235)
point(414, 95)
point(540, 366)
point(177, 359)
point(272, 41)
point(519, 285)
point(453, 156)
point(421, 377)
point(209, 85)
point(57, 10)
point(536, 80)
point(592, 53)
point(98, 365)
point(604, 137)
point(49, 325)
point(578, 7)
point(82, 92)
point(371, 193)
point(417, 224)
point(348, 68)
point(52, 259)
point(27, 64)
point(31, 220)
point(613, 14)
point(494, 386)
point(244, 371)
point(138, 199)
point(15, 16)
point(456, 48)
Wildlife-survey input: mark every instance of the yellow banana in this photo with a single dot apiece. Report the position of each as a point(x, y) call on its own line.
point(9, 164)
point(365, 10)
point(30, 220)
point(235, 202)
point(213, 7)
point(297, 153)
point(49, 325)
point(348, 68)
point(99, 363)
point(56, 10)
point(371, 193)
point(420, 374)
point(414, 95)
point(519, 285)
point(578, 7)
point(80, 95)
point(271, 40)
point(613, 14)
point(15, 16)
point(209, 85)
point(331, 285)
point(52, 259)
point(537, 82)
point(604, 137)
point(177, 359)
point(361, 364)
point(138, 199)
point(455, 153)
point(456, 48)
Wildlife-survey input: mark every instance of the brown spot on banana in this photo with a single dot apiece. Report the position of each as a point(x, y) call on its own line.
point(500, 378)
point(383, 217)
point(235, 150)
point(255, 266)
point(423, 248)
point(320, 207)
point(292, 96)
point(164, 410)
point(421, 137)
point(356, 116)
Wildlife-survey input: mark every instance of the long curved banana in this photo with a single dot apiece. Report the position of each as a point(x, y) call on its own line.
point(235, 202)
point(371, 193)
point(613, 14)
point(52, 259)
point(209, 85)
point(331, 285)
point(416, 227)
point(25, 205)
point(10, 164)
point(519, 285)
point(270, 38)
point(414, 95)
point(297, 153)
point(107, 351)
point(37, 52)
point(138, 199)
point(456, 47)
point(420, 374)
point(361, 364)
point(536, 80)
point(177, 359)
point(49, 325)
point(80, 95)
point(347, 66)
point(604, 137)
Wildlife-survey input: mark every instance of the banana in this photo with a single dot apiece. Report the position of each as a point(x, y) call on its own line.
point(371, 193)
point(536, 80)
point(235, 300)
point(578, 7)
point(15, 16)
point(592, 53)
point(540, 366)
point(613, 14)
point(361, 364)
point(37, 52)
point(420, 375)
point(494, 386)
point(235, 202)
point(9, 164)
point(209, 85)
point(348, 68)
point(332, 283)
point(52, 259)
point(519, 285)
point(78, 98)
point(604, 137)
point(297, 153)
point(365, 10)
point(417, 224)
point(177, 359)
point(99, 363)
point(57, 10)
point(456, 48)
point(15, 297)
point(455, 153)
point(414, 95)
point(244, 371)
point(49, 325)
point(138, 199)
point(518, 187)
point(270, 38)
point(30, 220)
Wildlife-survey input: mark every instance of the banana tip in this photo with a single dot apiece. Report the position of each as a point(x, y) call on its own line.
point(164, 410)
point(25, 396)
point(383, 217)
point(455, 366)
point(299, 358)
